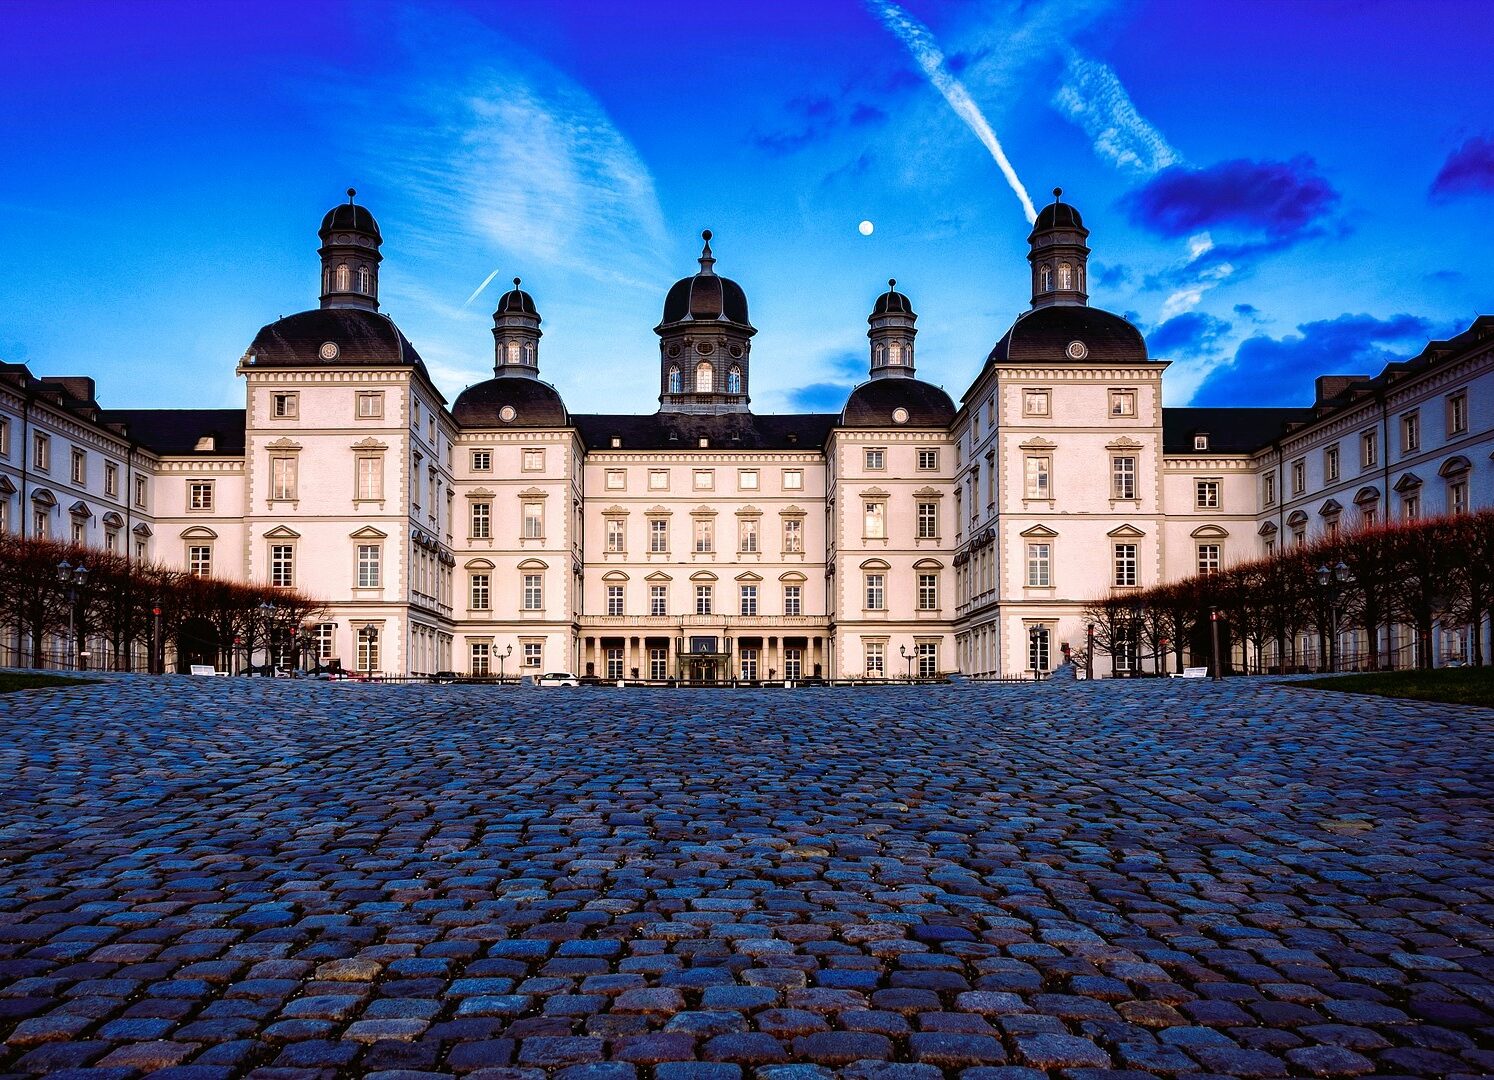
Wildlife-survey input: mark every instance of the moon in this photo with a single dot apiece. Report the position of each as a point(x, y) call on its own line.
point(865, 228)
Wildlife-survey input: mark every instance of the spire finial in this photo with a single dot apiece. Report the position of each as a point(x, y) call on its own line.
point(707, 260)
point(516, 283)
point(1057, 194)
point(892, 283)
point(351, 193)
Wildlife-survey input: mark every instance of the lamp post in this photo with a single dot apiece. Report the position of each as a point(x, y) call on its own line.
point(267, 612)
point(370, 634)
point(1332, 579)
point(1089, 651)
point(1032, 650)
point(502, 658)
point(1214, 634)
point(155, 664)
point(902, 651)
point(73, 578)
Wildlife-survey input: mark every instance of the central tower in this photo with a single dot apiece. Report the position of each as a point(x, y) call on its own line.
point(704, 342)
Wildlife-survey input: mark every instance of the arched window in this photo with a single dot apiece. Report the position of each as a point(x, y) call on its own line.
point(529, 354)
point(513, 352)
point(734, 380)
point(363, 280)
point(703, 378)
point(327, 280)
point(879, 352)
point(674, 380)
point(1045, 275)
point(1065, 276)
point(1079, 279)
point(344, 278)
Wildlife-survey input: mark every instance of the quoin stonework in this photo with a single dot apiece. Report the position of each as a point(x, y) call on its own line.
point(905, 534)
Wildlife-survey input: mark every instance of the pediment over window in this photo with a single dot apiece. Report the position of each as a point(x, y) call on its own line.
point(1331, 508)
point(283, 443)
point(1125, 442)
point(534, 493)
point(1038, 443)
point(793, 511)
point(658, 511)
point(6, 487)
point(1268, 528)
point(927, 492)
point(1297, 518)
point(792, 577)
point(876, 564)
point(615, 511)
point(1455, 465)
point(196, 532)
point(874, 493)
point(534, 564)
point(478, 564)
point(481, 493)
point(928, 564)
point(282, 532)
point(1041, 531)
point(749, 511)
point(145, 530)
point(43, 497)
point(1366, 495)
point(370, 443)
point(1126, 531)
point(80, 509)
point(702, 575)
point(113, 520)
point(748, 575)
point(658, 575)
point(703, 511)
point(368, 532)
point(1407, 482)
point(614, 575)
point(1209, 532)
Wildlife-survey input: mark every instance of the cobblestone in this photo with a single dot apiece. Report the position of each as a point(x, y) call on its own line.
point(204, 879)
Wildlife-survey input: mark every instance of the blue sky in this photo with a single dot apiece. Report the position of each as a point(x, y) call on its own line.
point(1274, 190)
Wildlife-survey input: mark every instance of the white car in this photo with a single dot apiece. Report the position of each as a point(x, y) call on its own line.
point(557, 678)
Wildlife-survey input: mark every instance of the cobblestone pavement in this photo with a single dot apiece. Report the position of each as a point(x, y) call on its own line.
point(212, 878)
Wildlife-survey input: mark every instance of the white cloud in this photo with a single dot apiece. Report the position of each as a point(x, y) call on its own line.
point(925, 51)
point(1093, 97)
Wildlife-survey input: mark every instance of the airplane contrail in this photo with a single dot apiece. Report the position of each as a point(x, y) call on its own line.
point(920, 42)
point(478, 291)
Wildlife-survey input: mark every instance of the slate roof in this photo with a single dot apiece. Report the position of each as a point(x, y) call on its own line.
point(683, 431)
point(1057, 215)
point(363, 339)
point(871, 404)
point(1043, 334)
point(172, 432)
point(1230, 430)
point(536, 404)
point(350, 217)
point(705, 298)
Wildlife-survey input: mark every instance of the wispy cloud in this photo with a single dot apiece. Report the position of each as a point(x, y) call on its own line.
point(925, 51)
point(1093, 97)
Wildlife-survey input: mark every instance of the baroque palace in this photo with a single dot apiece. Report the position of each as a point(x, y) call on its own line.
point(905, 534)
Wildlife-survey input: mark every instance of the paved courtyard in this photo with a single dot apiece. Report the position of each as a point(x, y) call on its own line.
point(213, 878)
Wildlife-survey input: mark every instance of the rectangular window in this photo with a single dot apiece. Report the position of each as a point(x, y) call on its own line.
point(1206, 494)
point(370, 405)
point(705, 540)
point(200, 495)
point(80, 467)
point(1457, 496)
point(4, 436)
point(928, 460)
point(747, 535)
point(928, 659)
point(534, 652)
point(1268, 491)
point(1411, 507)
point(658, 479)
point(1200, 442)
point(705, 479)
point(111, 538)
point(876, 592)
point(534, 521)
point(703, 598)
point(77, 531)
point(1330, 463)
point(111, 478)
point(658, 664)
point(793, 600)
point(324, 639)
point(876, 659)
point(793, 479)
point(480, 598)
point(1208, 559)
point(614, 663)
point(368, 650)
point(1039, 648)
point(876, 460)
point(481, 515)
point(1039, 476)
point(928, 520)
point(285, 406)
point(617, 479)
point(41, 452)
point(749, 600)
point(793, 664)
point(533, 460)
point(928, 592)
point(534, 592)
point(1035, 403)
point(1457, 413)
point(1125, 565)
point(1040, 565)
point(658, 599)
point(874, 520)
point(1411, 432)
point(614, 599)
point(749, 664)
point(282, 565)
point(1123, 477)
point(39, 524)
point(482, 461)
point(1369, 448)
point(1299, 537)
point(370, 477)
point(200, 560)
point(1299, 476)
point(658, 534)
point(283, 478)
point(616, 535)
point(1370, 516)
point(482, 658)
point(1122, 403)
point(747, 479)
point(369, 576)
point(793, 535)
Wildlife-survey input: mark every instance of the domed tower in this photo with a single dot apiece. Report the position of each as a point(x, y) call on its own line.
point(516, 334)
point(350, 257)
point(704, 342)
point(893, 327)
point(1059, 256)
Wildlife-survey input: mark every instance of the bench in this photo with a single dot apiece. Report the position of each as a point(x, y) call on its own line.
point(207, 669)
point(1191, 673)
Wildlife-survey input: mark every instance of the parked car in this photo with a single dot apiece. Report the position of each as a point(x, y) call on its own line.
point(557, 678)
point(444, 678)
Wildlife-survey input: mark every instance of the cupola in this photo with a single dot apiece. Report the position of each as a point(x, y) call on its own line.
point(350, 256)
point(1059, 255)
point(516, 334)
point(704, 342)
point(893, 327)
